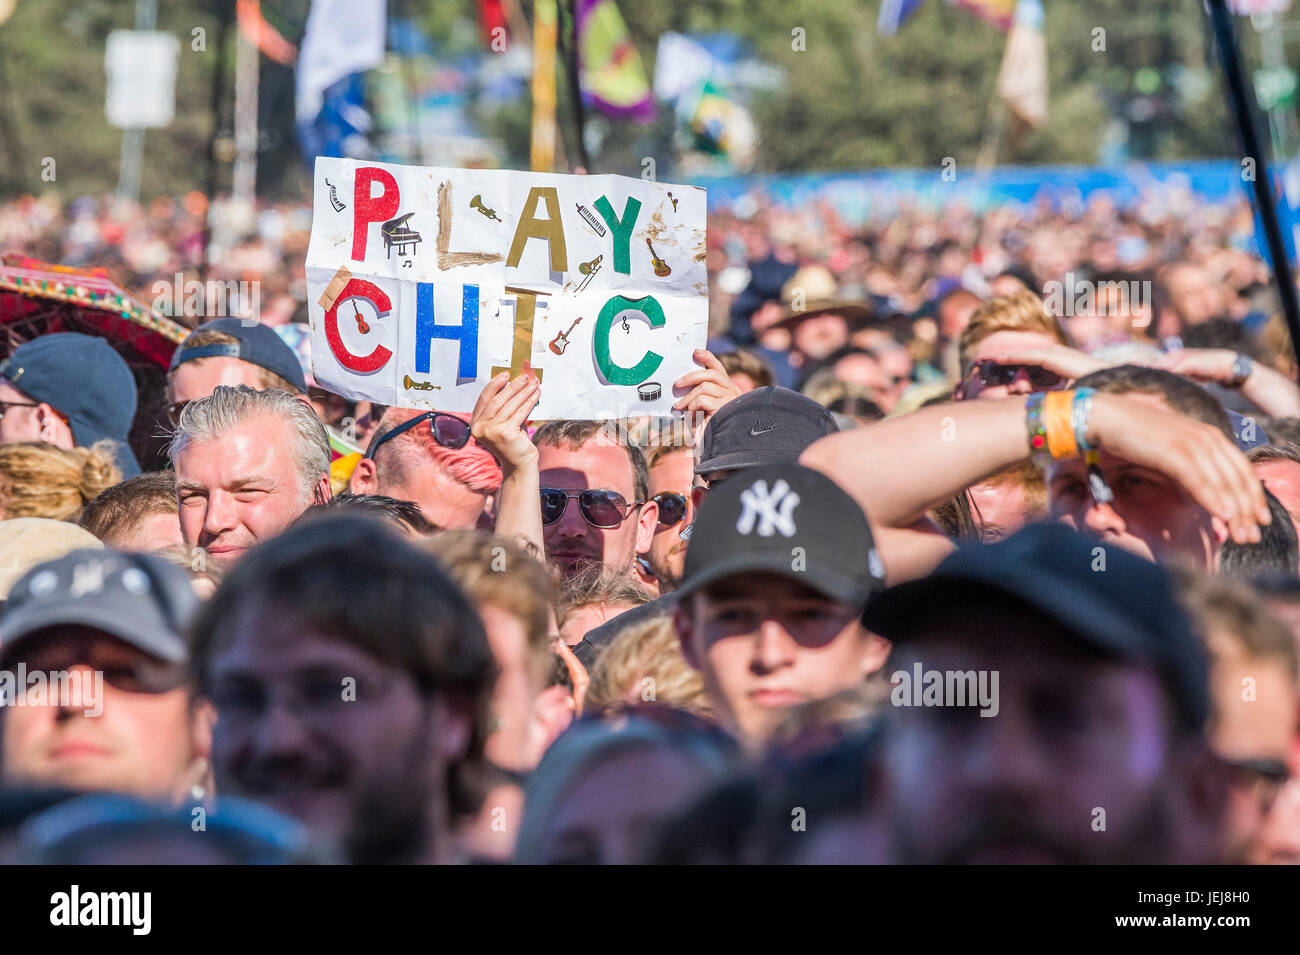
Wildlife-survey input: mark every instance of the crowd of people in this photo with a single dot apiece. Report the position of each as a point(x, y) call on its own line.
point(974, 540)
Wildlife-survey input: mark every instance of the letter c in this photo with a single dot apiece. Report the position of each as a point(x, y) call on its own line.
point(360, 364)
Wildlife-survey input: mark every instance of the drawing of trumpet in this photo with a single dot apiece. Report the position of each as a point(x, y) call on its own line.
point(412, 385)
point(477, 203)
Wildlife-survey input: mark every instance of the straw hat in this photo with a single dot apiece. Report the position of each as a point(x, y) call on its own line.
point(820, 292)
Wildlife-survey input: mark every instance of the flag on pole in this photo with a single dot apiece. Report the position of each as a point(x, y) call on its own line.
point(894, 13)
point(545, 26)
point(613, 77)
point(997, 12)
point(1022, 80)
point(343, 37)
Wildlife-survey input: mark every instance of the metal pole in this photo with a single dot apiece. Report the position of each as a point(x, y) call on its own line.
point(1241, 102)
point(243, 184)
point(132, 157)
point(225, 12)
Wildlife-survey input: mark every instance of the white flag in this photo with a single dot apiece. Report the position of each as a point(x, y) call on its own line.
point(343, 37)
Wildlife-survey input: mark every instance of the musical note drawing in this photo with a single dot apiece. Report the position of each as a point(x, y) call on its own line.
point(670, 196)
point(334, 197)
point(626, 327)
point(561, 341)
point(362, 326)
point(661, 267)
point(477, 203)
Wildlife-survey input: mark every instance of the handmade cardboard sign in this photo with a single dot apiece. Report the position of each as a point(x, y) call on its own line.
point(423, 283)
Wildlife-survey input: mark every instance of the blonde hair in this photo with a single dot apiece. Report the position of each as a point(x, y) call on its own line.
point(646, 658)
point(1021, 311)
point(495, 571)
point(41, 480)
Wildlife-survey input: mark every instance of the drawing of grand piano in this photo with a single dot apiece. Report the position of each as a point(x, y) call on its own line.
point(398, 236)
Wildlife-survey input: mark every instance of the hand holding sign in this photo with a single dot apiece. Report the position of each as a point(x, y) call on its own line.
point(439, 292)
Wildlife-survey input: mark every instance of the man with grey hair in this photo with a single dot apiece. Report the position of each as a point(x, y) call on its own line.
point(247, 464)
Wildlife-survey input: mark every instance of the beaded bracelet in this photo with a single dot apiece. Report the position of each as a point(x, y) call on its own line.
point(1037, 430)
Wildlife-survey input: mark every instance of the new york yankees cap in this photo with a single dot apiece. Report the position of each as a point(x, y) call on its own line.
point(790, 520)
point(764, 426)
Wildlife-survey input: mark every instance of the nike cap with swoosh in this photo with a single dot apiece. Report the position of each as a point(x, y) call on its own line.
point(765, 426)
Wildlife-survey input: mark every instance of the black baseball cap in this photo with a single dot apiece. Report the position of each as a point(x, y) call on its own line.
point(257, 344)
point(764, 426)
point(790, 520)
point(1115, 602)
point(139, 598)
point(84, 379)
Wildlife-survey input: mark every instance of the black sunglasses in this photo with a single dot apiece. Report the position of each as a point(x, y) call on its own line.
point(137, 673)
point(173, 412)
point(672, 507)
point(992, 374)
point(599, 507)
point(448, 430)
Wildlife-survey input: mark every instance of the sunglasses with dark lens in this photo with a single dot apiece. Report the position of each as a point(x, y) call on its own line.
point(448, 430)
point(672, 507)
point(600, 508)
point(992, 374)
point(133, 672)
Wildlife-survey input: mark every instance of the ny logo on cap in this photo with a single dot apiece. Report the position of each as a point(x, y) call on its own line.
point(772, 510)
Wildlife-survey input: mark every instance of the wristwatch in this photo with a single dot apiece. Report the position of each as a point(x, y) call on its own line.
point(1242, 366)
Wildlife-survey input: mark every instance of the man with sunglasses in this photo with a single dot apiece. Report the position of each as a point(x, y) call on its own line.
point(595, 500)
point(672, 476)
point(430, 459)
point(1001, 326)
point(69, 390)
point(106, 631)
point(780, 566)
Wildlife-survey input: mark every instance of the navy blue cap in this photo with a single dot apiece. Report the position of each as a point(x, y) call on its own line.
point(1123, 608)
point(257, 344)
point(84, 379)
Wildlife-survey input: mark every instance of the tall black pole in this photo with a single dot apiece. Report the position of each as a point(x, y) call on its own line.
point(575, 85)
point(1241, 101)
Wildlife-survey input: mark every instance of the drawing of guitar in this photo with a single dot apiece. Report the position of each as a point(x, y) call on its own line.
point(561, 341)
point(661, 267)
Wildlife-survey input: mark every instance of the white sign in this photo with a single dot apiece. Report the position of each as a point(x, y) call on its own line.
point(423, 283)
point(141, 67)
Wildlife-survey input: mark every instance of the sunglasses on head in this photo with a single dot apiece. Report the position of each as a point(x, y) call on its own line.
point(599, 507)
point(672, 507)
point(448, 430)
point(992, 374)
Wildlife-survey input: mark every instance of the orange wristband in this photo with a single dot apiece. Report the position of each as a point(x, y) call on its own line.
point(1057, 419)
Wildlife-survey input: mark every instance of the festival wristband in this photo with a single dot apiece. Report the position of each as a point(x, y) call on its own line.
point(1057, 421)
point(1080, 412)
